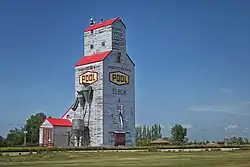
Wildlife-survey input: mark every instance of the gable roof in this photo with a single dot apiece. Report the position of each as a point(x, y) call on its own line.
point(92, 58)
point(102, 24)
point(59, 122)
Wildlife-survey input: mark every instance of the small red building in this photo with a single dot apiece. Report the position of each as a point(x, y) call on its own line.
point(54, 131)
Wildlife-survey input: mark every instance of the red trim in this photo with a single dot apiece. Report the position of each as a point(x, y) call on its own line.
point(66, 112)
point(92, 58)
point(102, 24)
point(120, 139)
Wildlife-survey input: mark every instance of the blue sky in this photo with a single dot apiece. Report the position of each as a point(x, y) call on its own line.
point(192, 60)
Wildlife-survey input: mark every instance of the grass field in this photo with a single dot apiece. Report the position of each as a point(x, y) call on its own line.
point(131, 159)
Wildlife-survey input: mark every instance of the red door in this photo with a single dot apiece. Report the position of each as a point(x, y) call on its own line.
point(47, 135)
point(119, 139)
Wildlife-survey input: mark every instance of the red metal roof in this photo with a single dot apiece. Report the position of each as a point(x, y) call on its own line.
point(59, 122)
point(102, 24)
point(93, 58)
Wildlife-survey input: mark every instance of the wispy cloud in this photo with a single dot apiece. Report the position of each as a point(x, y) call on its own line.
point(241, 108)
point(188, 126)
point(223, 90)
point(209, 108)
point(231, 127)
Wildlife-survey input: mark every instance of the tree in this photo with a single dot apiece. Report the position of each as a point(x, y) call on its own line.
point(2, 141)
point(149, 133)
point(246, 140)
point(178, 134)
point(159, 131)
point(15, 137)
point(32, 127)
point(145, 134)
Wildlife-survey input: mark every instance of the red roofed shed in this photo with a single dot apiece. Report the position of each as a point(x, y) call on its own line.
point(53, 131)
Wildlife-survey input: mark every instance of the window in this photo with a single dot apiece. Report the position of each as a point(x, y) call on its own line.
point(91, 46)
point(103, 43)
point(118, 57)
point(92, 31)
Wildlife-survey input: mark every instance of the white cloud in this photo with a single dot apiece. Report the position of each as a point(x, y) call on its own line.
point(231, 127)
point(183, 125)
point(241, 108)
point(225, 90)
point(187, 126)
point(209, 108)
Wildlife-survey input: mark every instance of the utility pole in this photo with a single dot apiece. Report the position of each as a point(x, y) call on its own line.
point(25, 137)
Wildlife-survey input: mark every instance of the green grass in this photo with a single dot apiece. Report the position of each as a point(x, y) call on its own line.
point(131, 159)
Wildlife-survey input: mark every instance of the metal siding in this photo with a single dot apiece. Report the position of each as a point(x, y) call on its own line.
point(96, 116)
point(110, 100)
point(60, 136)
point(119, 36)
point(99, 35)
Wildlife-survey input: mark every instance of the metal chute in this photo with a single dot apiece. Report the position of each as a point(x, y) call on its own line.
point(83, 100)
point(75, 105)
point(88, 94)
point(85, 95)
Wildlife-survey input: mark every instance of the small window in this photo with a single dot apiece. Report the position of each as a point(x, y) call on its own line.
point(103, 43)
point(91, 46)
point(118, 58)
point(92, 31)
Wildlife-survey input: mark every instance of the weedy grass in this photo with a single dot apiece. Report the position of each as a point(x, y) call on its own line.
point(132, 159)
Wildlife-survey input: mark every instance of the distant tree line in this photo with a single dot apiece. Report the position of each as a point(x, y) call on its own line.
point(231, 140)
point(145, 134)
point(16, 136)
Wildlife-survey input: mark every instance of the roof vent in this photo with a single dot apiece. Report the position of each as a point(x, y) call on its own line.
point(92, 21)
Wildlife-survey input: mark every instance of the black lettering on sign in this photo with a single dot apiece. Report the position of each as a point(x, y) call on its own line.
point(88, 77)
point(119, 68)
point(119, 92)
point(119, 78)
point(91, 67)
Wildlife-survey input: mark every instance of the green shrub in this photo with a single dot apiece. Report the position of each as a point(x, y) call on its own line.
point(146, 148)
point(152, 149)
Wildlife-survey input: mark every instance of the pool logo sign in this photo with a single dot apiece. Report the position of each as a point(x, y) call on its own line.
point(88, 77)
point(119, 78)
